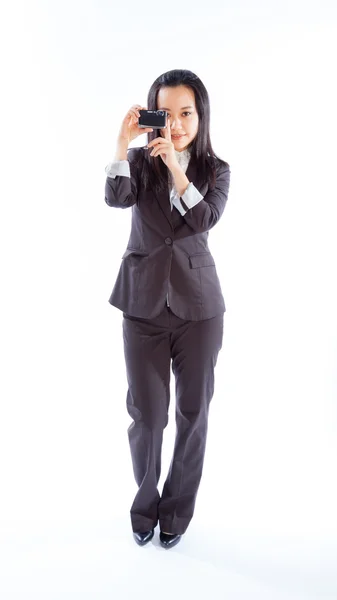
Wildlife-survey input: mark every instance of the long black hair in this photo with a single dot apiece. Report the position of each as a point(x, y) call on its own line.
point(154, 172)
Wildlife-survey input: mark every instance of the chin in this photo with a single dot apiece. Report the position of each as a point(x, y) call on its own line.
point(183, 142)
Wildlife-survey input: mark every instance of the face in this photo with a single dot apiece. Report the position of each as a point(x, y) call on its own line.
point(180, 104)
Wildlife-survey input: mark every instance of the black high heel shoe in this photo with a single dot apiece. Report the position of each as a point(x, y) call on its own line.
point(168, 540)
point(142, 537)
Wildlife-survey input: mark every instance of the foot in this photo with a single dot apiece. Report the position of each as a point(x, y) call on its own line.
point(168, 540)
point(142, 537)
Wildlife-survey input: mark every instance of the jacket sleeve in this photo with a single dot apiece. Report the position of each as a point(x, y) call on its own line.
point(121, 189)
point(207, 212)
point(191, 197)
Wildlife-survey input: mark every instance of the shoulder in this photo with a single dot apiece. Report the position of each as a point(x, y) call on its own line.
point(222, 173)
point(221, 165)
point(136, 154)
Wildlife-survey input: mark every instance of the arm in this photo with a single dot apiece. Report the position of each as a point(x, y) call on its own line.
point(190, 197)
point(205, 213)
point(122, 181)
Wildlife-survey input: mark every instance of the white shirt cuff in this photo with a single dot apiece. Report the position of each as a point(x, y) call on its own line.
point(175, 199)
point(118, 167)
point(191, 197)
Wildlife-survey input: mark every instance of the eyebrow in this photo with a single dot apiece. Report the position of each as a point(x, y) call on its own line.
point(182, 108)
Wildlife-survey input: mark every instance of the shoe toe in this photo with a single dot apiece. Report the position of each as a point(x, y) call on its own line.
point(142, 537)
point(168, 541)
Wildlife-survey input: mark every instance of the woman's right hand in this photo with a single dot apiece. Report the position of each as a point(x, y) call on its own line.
point(129, 129)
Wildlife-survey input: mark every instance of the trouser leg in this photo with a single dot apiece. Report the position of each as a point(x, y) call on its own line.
point(194, 348)
point(147, 358)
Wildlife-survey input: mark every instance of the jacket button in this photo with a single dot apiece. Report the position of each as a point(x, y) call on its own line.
point(168, 241)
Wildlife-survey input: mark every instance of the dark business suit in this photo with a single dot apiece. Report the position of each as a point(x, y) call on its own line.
point(167, 253)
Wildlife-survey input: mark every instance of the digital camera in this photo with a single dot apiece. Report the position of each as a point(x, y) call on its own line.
point(156, 119)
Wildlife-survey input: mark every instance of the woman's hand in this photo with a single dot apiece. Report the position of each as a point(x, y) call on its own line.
point(164, 147)
point(129, 129)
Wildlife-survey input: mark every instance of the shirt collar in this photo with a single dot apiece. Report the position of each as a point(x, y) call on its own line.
point(183, 155)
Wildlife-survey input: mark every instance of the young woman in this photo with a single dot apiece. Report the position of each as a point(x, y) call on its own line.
point(170, 294)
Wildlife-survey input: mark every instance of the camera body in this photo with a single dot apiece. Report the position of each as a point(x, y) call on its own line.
point(156, 119)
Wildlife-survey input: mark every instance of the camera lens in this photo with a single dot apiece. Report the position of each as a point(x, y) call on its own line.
point(160, 112)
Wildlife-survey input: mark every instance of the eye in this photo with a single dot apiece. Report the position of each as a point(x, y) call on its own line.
point(184, 113)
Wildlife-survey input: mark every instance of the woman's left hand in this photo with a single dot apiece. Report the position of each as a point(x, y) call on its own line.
point(164, 147)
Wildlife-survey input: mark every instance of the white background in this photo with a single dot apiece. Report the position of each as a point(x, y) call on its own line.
point(265, 522)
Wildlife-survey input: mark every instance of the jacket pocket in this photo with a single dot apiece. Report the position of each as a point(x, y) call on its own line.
point(201, 260)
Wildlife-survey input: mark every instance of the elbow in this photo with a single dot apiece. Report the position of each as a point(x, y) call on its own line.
point(109, 195)
point(126, 203)
point(108, 201)
point(118, 193)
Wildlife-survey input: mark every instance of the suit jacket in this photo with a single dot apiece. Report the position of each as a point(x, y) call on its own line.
point(168, 253)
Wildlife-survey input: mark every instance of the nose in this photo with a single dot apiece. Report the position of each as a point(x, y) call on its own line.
point(175, 123)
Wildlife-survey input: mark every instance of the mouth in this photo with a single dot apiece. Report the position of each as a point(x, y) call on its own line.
point(177, 137)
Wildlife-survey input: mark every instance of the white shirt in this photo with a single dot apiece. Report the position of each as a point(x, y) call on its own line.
point(191, 196)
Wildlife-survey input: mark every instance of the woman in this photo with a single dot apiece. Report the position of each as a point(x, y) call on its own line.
point(170, 294)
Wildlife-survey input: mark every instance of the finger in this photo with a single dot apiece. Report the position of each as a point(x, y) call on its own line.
point(138, 108)
point(167, 131)
point(130, 116)
point(156, 140)
point(161, 154)
point(162, 148)
point(154, 151)
point(168, 128)
point(134, 110)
